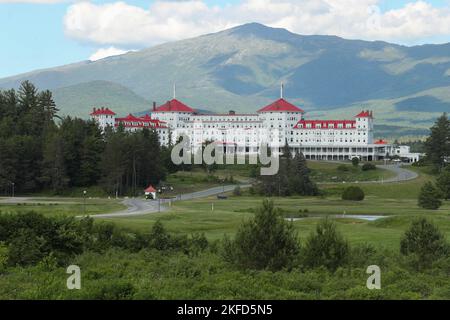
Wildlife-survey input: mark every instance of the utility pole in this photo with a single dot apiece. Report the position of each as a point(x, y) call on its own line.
point(84, 202)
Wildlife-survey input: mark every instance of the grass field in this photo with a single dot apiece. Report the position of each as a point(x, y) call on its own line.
point(332, 172)
point(63, 206)
point(398, 200)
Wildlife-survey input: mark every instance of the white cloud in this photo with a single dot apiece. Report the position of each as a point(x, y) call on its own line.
point(122, 24)
point(107, 52)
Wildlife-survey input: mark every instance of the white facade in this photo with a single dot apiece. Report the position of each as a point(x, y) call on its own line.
point(275, 124)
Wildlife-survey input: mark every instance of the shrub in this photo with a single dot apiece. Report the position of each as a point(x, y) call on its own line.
point(424, 242)
point(343, 168)
point(3, 256)
point(429, 197)
point(27, 248)
point(159, 238)
point(368, 166)
point(265, 242)
point(355, 161)
point(237, 191)
point(326, 247)
point(353, 193)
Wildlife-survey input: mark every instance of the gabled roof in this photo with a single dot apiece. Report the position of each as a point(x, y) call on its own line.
point(174, 106)
point(130, 117)
point(281, 105)
point(146, 118)
point(102, 111)
point(150, 189)
point(364, 114)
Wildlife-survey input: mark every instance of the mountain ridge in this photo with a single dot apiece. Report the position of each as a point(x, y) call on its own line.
point(241, 69)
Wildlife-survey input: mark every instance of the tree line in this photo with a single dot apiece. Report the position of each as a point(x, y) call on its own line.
point(41, 151)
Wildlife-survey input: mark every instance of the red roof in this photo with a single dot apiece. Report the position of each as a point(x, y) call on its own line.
point(146, 118)
point(150, 189)
point(381, 141)
point(129, 117)
point(364, 114)
point(325, 124)
point(281, 105)
point(146, 121)
point(102, 111)
point(174, 106)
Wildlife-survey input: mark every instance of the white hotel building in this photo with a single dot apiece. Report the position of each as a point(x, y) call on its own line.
point(275, 124)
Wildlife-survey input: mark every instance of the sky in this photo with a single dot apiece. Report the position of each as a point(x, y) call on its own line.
point(37, 34)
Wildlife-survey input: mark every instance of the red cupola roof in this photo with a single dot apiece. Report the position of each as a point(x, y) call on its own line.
point(364, 114)
point(281, 105)
point(102, 111)
point(381, 141)
point(150, 189)
point(174, 106)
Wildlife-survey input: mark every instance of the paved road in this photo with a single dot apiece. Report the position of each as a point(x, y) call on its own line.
point(402, 174)
point(139, 206)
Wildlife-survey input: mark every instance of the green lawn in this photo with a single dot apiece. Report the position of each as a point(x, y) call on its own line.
point(392, 199)
point(63, 206)
point(332, 172)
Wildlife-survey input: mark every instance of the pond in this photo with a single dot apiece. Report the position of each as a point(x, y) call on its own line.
point(342, 216)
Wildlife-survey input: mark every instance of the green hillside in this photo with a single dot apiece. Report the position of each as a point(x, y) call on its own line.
point(241, 69)
point(78, 100)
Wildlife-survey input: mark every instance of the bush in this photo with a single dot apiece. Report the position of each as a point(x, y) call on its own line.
point(237, 191)
point(429, 197)
point(343, 168)
point(355, 161)
point(159, 238)
point(353, 193)
point(326, 247)
point(27, 248)
point(368, 166)
point(265, 242)
point(424, 242)
point(3, 256)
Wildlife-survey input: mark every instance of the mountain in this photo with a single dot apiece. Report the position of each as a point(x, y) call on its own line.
point(98, 93)
point(241, 69)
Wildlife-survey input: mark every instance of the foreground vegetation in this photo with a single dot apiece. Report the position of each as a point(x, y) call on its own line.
point(119, 264)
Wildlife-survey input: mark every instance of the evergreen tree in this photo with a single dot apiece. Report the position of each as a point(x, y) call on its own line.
point(300, 181)
point(429, 197)
point(443, 182)
point(425, 242)
point(54, 168)
point(326, 247)
point(265, 242)
point(437, 146)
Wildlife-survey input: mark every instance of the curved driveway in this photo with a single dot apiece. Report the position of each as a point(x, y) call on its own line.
point(139, 206)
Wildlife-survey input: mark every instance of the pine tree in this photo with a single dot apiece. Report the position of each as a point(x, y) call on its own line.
point(437, 146)
point(443, 182)
point(48, 105)
point(425, 242)
point(326, 247)
point(429, 197)
point(300, 181)
point(54, 169)
point(265, 242)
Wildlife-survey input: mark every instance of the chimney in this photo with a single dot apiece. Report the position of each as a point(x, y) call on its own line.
point(94, 109)
point(154, 106)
